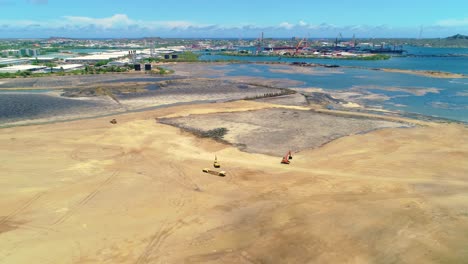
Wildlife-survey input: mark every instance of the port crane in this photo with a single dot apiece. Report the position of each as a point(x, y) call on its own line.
point(338, 39)
point(260, 44)
point(298, 46)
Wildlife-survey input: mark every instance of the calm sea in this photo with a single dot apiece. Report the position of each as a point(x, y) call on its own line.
point(445, 98)
point(434, 59)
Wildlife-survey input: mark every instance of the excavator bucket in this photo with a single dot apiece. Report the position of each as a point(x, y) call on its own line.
point(290, 155)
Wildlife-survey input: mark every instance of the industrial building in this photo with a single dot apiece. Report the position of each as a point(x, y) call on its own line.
point(96, 57)
point(16, 68)
point(29, 52)
point(11, 52)
point(66, 67)
point(13, 61)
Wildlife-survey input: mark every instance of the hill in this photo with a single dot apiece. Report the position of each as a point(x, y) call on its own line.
point(458, 36)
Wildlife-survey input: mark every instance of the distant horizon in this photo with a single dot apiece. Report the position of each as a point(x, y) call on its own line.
point(220, 38)
point(244, 19)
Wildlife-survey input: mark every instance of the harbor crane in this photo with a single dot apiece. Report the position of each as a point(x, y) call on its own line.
point(338, 39)
point(298, 46)
point(260, 44)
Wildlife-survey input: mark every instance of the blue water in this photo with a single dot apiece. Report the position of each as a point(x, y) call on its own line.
point(426, 62)
point(435, 51)
point(440, 97)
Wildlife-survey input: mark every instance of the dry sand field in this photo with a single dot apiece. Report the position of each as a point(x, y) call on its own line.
point(88, 191)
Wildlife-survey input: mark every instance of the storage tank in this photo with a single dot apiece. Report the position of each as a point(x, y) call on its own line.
point(137, 67)
point(148, 67)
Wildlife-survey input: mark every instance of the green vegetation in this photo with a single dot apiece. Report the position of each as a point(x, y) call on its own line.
point(101, 63)
point(161, 70)
point(187, 56)
point(457, 36)
point(15, 74)
point(7, 75)
point(50, 64)
point(102, 70)
point(3, 65)
point(61, 72)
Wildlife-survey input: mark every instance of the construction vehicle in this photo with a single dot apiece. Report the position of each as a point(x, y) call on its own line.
point(213, 172)
point(113, 121)
point(286, 158)
point(216, 163)
point(298, 46)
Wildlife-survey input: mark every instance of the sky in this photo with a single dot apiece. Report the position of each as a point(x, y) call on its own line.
point(233, 19)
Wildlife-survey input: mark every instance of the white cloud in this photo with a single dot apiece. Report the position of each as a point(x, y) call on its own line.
point(172, 24)
point(453, 22)
point(286, 25)
point(117, 20)
point(121, 25)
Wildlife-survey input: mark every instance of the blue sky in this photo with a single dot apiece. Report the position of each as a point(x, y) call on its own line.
point(237, 19)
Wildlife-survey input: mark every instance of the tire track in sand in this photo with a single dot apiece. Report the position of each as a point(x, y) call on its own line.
point(21, 208)
point(162, 233)
point(157, 239)
point(86, 199)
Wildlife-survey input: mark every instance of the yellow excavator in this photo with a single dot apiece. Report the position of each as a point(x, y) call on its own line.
point(213, 172)
point(216, 163)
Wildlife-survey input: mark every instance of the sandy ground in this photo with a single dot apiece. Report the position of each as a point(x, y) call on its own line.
point(433, 74)
point(91, 192)
point(290, 99)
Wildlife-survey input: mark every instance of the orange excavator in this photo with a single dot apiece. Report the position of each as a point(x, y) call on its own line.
point(286, 158)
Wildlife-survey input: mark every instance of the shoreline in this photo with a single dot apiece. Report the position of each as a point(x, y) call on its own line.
point(426, 73)
point(351, 112)
point(434, 74)
point(145, 102)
